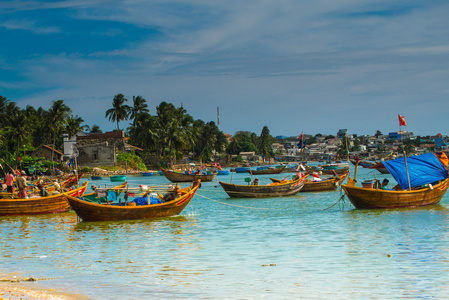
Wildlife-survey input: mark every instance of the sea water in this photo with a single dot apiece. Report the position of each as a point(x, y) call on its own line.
point(307, 246)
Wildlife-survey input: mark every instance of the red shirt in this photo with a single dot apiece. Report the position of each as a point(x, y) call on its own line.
point(9, 178)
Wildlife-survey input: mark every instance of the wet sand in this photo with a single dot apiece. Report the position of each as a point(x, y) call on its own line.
point(27, 288)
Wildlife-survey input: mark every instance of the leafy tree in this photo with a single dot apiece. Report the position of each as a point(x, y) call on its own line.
point(241, 142)
point(119, 111)
point(265, 141)
point(378, 133)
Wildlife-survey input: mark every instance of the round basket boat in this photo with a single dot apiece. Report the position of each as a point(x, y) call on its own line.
point(118, 178)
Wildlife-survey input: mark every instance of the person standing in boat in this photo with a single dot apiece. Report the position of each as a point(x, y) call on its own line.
point(9, 179)
point(22, 186)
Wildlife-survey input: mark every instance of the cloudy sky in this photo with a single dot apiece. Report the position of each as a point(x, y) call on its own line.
point(292, 65)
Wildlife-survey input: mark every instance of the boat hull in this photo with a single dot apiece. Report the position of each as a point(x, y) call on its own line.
point(180, 177)
point(117, 178)
point(91, 212)
point(320, 186)
point(39, 205)
point(368, 198)
point(266, 171)
point(282, 189)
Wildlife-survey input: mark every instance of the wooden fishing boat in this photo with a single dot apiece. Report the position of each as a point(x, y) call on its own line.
point(39, 205)
point(376, 198)
point(264, 171)
point(339, 171)
point(182, 177)
point(94, 177)
point(380, 167)
point(327, 184)
point(424, 181)
point(89, 211)
point(278, 189)
point(223, 172)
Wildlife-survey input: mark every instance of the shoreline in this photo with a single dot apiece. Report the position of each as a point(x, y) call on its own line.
point(28, 288)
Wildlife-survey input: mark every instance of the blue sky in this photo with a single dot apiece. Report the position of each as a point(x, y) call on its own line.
point(294, 66)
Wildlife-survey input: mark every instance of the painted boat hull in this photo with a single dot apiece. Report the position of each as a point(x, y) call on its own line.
point(180, 177)
point(117, 178)
point(222, 172)
point(39, 205)
point(287, 188)
point(320, 186)
point(366, 198)
point(266, 171)
point(96, 177)
point(91, 212)
point(147, 173)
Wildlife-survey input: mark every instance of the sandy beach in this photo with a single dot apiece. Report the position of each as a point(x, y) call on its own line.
point(27, 288)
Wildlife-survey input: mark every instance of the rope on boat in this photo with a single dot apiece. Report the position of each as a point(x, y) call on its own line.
point(224, 203)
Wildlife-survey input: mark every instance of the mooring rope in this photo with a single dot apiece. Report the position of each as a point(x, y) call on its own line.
point(342, 199)
point(231, 204)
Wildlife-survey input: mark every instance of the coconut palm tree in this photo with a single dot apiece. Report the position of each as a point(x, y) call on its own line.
point(73, 125)
point(119, 111)
point(18, 129)
point(57, 114)
point(139, 106)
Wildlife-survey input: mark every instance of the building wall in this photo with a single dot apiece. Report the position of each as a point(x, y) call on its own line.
point(46, 153)
point(96, 155)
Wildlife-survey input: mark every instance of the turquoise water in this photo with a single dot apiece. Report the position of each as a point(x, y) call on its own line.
point(298, 247)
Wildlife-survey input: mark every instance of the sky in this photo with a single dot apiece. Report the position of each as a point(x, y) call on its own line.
point(291, 65)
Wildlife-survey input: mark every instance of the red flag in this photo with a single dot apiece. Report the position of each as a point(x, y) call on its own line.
point(402, 121)
point(301, 136)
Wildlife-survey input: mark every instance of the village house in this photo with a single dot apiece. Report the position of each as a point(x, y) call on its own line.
point(47, 152)
point(97, 149)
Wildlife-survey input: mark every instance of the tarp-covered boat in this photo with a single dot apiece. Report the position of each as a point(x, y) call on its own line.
point(425, 183)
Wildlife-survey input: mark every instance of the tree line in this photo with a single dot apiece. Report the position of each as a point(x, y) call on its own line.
point(170, 133)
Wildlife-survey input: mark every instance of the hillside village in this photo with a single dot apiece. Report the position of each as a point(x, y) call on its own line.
point(326, 147)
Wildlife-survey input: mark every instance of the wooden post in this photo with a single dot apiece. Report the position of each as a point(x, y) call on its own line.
point(406, 168)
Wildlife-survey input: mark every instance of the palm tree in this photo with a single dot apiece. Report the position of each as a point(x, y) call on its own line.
point(18, 129)
point(119, 111)
point(57, 114)
point(139, 106)
point(95, 129)
point(73, 125)
point(3, 104)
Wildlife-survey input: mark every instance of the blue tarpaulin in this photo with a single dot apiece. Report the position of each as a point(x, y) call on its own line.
point(423, 169)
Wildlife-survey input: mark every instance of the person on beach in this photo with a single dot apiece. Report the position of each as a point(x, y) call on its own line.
point(22, 186)
point(9, 179)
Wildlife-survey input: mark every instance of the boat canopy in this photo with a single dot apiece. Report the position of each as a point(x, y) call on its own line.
point(423, 169)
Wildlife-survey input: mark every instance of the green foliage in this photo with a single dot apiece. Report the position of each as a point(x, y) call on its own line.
point(85, 169)
point(238, 158)
point(241, 143)
point(133, 160)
